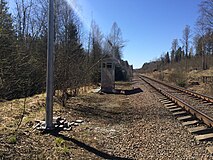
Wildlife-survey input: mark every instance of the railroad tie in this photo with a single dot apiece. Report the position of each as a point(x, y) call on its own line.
point(169, 104)
point(197, 129)
point(166, 102)
point(162, 98)
point(204, 137)
point(184, 117)
point(175, 109)
point(179, 113)
point(187, 123)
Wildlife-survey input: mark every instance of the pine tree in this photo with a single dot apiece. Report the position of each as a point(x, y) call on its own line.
point(7, 52)
point(167, 58)
point(179, 55)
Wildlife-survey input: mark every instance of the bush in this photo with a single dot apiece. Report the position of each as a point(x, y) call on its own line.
point(178, 77)
point(181, 84)
point(159, 76)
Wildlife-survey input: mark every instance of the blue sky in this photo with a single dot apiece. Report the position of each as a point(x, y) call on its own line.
point(148, 26)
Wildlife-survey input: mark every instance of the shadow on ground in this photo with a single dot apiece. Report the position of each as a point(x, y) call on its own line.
point(98, 112)
point(126, 92)
point(87, 147)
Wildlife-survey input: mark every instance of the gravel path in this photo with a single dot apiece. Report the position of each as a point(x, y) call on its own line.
point(144, 129)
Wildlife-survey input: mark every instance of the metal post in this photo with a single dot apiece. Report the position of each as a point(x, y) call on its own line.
point(49, 80)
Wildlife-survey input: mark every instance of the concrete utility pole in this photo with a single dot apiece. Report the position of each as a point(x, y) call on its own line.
point(49, 80)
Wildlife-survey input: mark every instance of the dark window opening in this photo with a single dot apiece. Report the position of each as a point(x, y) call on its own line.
point(109, 65)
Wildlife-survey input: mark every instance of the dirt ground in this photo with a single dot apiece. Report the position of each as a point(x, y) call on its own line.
point(132, 126)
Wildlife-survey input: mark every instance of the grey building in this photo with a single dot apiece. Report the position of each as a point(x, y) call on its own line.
point(108, 75)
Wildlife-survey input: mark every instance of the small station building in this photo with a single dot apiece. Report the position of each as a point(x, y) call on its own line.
point(109, 67)
point(108, 74)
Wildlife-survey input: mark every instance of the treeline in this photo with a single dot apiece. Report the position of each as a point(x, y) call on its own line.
point(192, 51)
point(23, 49)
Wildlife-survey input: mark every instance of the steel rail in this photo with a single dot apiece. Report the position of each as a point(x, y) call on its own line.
point(201, 116)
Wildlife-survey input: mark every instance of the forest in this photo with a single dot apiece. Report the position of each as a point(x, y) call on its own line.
point(78, 53)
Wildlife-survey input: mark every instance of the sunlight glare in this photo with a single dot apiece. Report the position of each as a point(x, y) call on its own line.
point(78, 11)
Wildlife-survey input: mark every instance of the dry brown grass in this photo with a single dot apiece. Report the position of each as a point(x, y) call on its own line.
point(27, 143)
point(182, 78)
point(12, 112)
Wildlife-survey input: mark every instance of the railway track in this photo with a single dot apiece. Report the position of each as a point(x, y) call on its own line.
point(194, 110)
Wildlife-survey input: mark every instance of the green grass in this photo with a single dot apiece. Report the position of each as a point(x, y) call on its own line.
point(59, 142)
point(65, 150)
point(61, 147)
point(12, 140)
